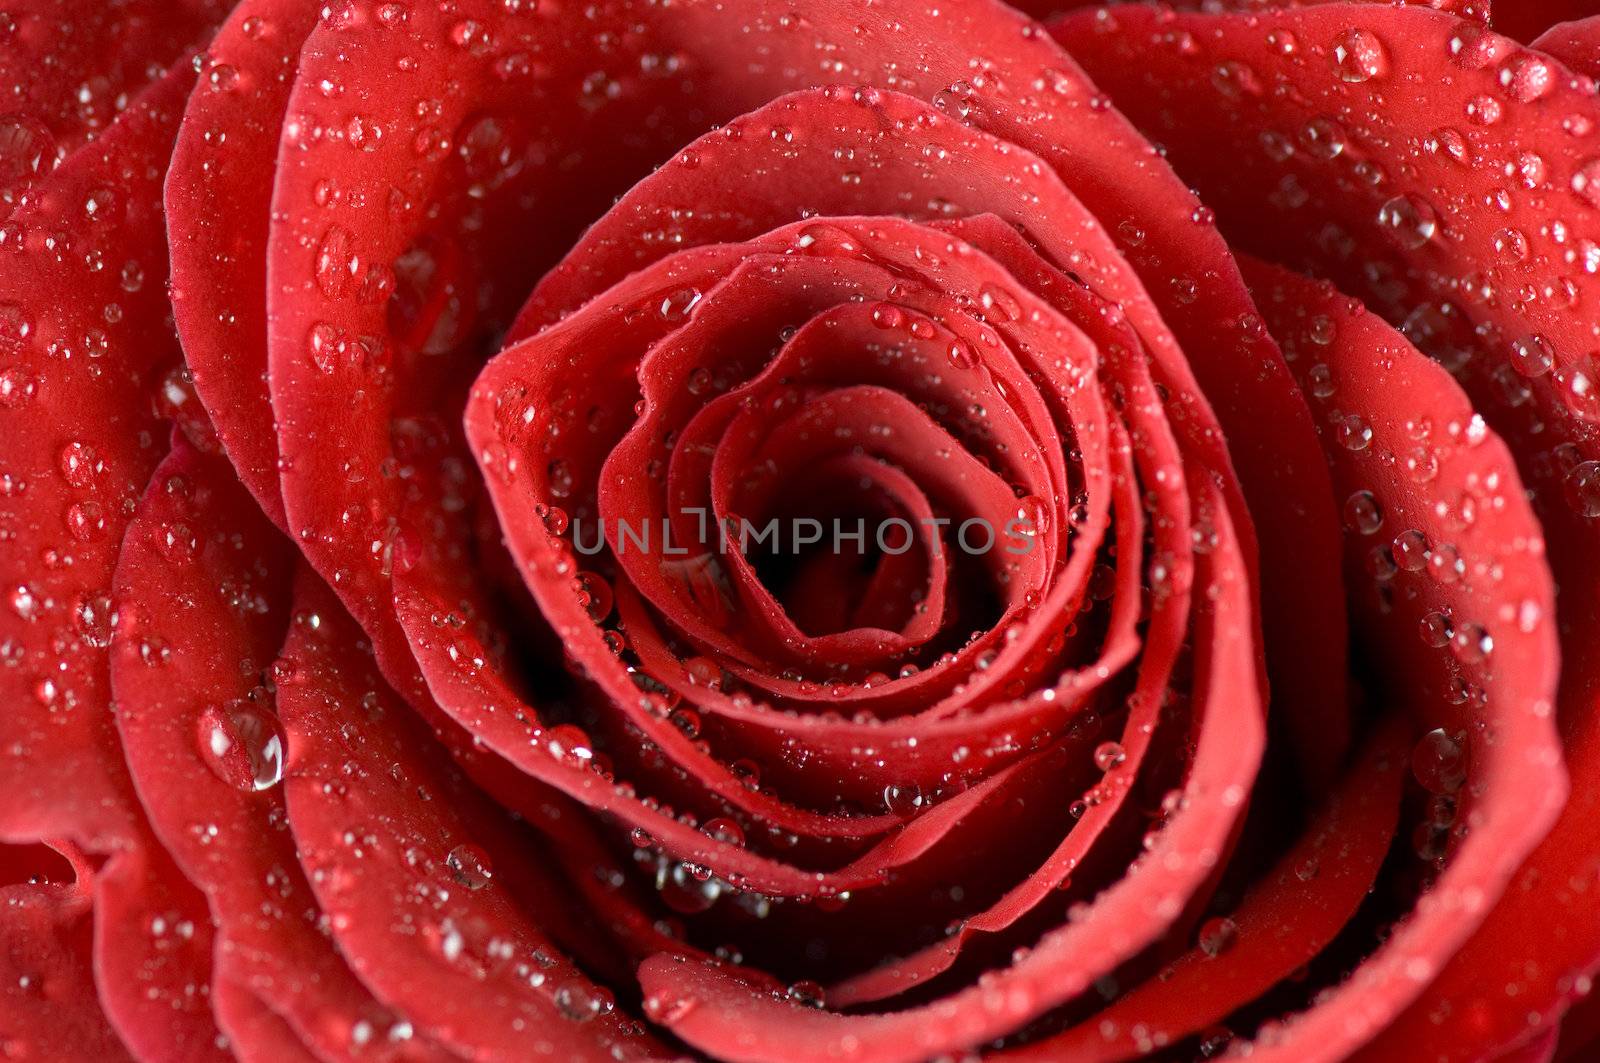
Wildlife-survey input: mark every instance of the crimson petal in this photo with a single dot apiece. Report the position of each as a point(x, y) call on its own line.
point(79, 451)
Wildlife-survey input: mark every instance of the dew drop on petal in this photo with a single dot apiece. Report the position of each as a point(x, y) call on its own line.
point(1532, 355)
point(1108, 755)
point(1362, 513)
point(243, 745)
point(469, 866)
point(578, 1002)
point(1358, 55)
point(1527, 77)
point(1439, 762)
point(1586, 182)
point(1354, 433)
point(1583, 488)
point(902, 799)
point(806, 993)
point(1435, 629)
point(1217, 935)
point(1408, 220)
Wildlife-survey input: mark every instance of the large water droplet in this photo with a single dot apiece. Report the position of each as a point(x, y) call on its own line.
point(337, 264)
point(1583, 488)
point(1439, 762)
point(1362, 513)
point(1532, 355)
point(578, 1002)
point(1586, 182)
point(1218, 935)
point(469, 866)
point(242, 745)
point(1527, 77)
point(902, 799)
point(1358, 55)
point(1108, 755)
point(27, 149)
point(1408, 220)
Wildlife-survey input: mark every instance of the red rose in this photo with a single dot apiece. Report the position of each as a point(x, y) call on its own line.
point(773, 533)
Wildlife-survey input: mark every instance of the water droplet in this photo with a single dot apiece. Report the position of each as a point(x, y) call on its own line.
point(242, 745)
point(1434, 628)
point(1108, 755)
point(337, 265)
point(666, 1007)
point(687, 888)
point(570, 745)
point(1472, 644)
point(393, 14)
point(322, 346)
point(1410, 550)
point(86, 521)
point(363, 133)
point(1511, 245)
point(17, 387)
point(676, 306)
point(594, 594)
point(1362, 513)
point(223, 78)
point(962, 355)
point(177, 541)
point(469, 866)
point(560, 478)
point(1473, 47)
point(999, 304)
point(1586, 182)
point(27, 149)
point(1532, 355)
point(1445, 563)
point(1323, 138)
point(578, 1002)
point(79, 464)
point(1583, 488)
point(1233, 80)
point(1354, 432)
point(102, 205)
point(724, 830)
point(23, 602)
point(1421, 464)
point(1484, 109)
point(1439, 762)
point(703, 672)
point(1217, 935)
point(1527, 77)
point(902, 799)
point(1408, 220)
point(807, 994)
point(1032, 517)
point(1358, 55)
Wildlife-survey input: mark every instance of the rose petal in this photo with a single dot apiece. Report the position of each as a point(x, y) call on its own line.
point(1292, 912)
point(152, 957)
point(721, 1015)
point(1087, 143)
point(1575, 43)
point(476, 970)
point(868, 133)
point(1429, 139)
point(1527, 19)
point(1486, 580)
point(223, 166)
point(48, 1003)
point(207, 752)
point(70, 68)
point(75, 389)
